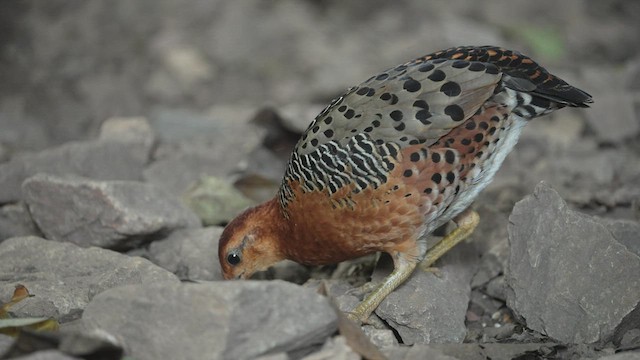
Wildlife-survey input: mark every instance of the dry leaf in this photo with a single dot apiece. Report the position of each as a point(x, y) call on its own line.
point(12, 327)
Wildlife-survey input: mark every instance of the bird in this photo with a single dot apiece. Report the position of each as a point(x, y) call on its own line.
point(393, 159)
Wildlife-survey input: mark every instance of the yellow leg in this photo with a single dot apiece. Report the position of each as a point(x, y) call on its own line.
point(403, 269)
point(467, 222)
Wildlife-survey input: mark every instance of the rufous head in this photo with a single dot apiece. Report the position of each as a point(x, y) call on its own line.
point(250, 243)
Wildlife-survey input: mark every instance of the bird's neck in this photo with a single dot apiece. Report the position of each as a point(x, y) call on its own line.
point(275, 226)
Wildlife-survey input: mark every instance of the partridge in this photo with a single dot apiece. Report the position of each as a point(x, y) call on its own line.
point(394, 158)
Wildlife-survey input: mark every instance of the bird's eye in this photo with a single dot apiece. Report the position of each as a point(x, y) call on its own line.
point(233, 259)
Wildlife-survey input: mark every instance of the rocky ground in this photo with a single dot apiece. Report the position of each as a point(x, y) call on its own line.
point(131, 132)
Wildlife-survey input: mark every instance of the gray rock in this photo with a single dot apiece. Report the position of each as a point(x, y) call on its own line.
point(196, 145)
point(468, 351)
point(47, 355)
point(109, 158)
point(15, 220)
point(215, 200)
point(191, 254)
point(631, 355)
point(4, 153)
point(380, 337)
point(334, 348)
point(5, 342)
point(296, 117)
point(618, 101)
point(564, 275)
point(127, 129)
point(109, 214)
point(627, 232)
point(234, 319)
point(64, 277)
point(429, 308)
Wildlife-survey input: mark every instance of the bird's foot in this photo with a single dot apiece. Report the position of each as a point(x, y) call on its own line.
point(363, 290)
point(431, 269)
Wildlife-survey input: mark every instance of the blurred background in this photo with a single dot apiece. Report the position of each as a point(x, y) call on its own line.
point(208, 68)
point(66, 66)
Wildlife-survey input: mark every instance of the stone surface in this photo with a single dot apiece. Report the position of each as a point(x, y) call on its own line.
point(191, 254)
point(64, 277)
point(568, 276)
point(222, 320)
point(5, 343)
point(47, 355)
point(109, 214)
point(626, 232)
point(380, 337)
point(110, 158)
point(15, 220)
point(194, 145)
point(429, 308)
point(334, 348)
point(127, 129)
point(471, 351)
point(631, 355)
point(215, 201)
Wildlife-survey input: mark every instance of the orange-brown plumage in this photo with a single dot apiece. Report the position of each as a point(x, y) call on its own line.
point(394, 158)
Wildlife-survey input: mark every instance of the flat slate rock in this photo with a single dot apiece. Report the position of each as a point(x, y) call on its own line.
point(108, 214)
point(430, 308)
point(64, 277)
point(193, 145)
point(15, 220)
point(191, 254)
point(111, 157)
point(47, 355)
point(216, 320)
point(568, 276)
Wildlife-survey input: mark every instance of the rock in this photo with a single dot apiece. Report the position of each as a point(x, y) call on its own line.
point(334, 348)
point(277, 356)
point(64, 277)
point(191, 254)
point(564, 275)
point(5, 343)
point(296, 117)
point(196, 145)
point(429, 308)
point(109, 214)
point(626, 232)
point(109, 158)
point(631, 355)
point(470, 351)
point(4, 153)
point(215, 201)
point(624, 125)
point(15, 220)
point(260, 176)
point(381, 338)
point(127, 129)
point(47, 355)
point(64, 345)
point(238, 319)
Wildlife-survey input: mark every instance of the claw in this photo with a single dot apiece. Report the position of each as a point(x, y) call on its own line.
point(431, 269)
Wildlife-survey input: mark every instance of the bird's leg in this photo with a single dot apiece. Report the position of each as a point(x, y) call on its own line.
point(403, 269)
point(467, 222)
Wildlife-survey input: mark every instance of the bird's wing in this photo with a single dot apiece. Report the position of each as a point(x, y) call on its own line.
point(417, 102)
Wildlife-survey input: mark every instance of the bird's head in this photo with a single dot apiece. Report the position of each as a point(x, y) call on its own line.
point(250, 242)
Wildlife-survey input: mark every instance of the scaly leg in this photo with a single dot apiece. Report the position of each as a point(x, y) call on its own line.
point(403, 269)
point(467, 222)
